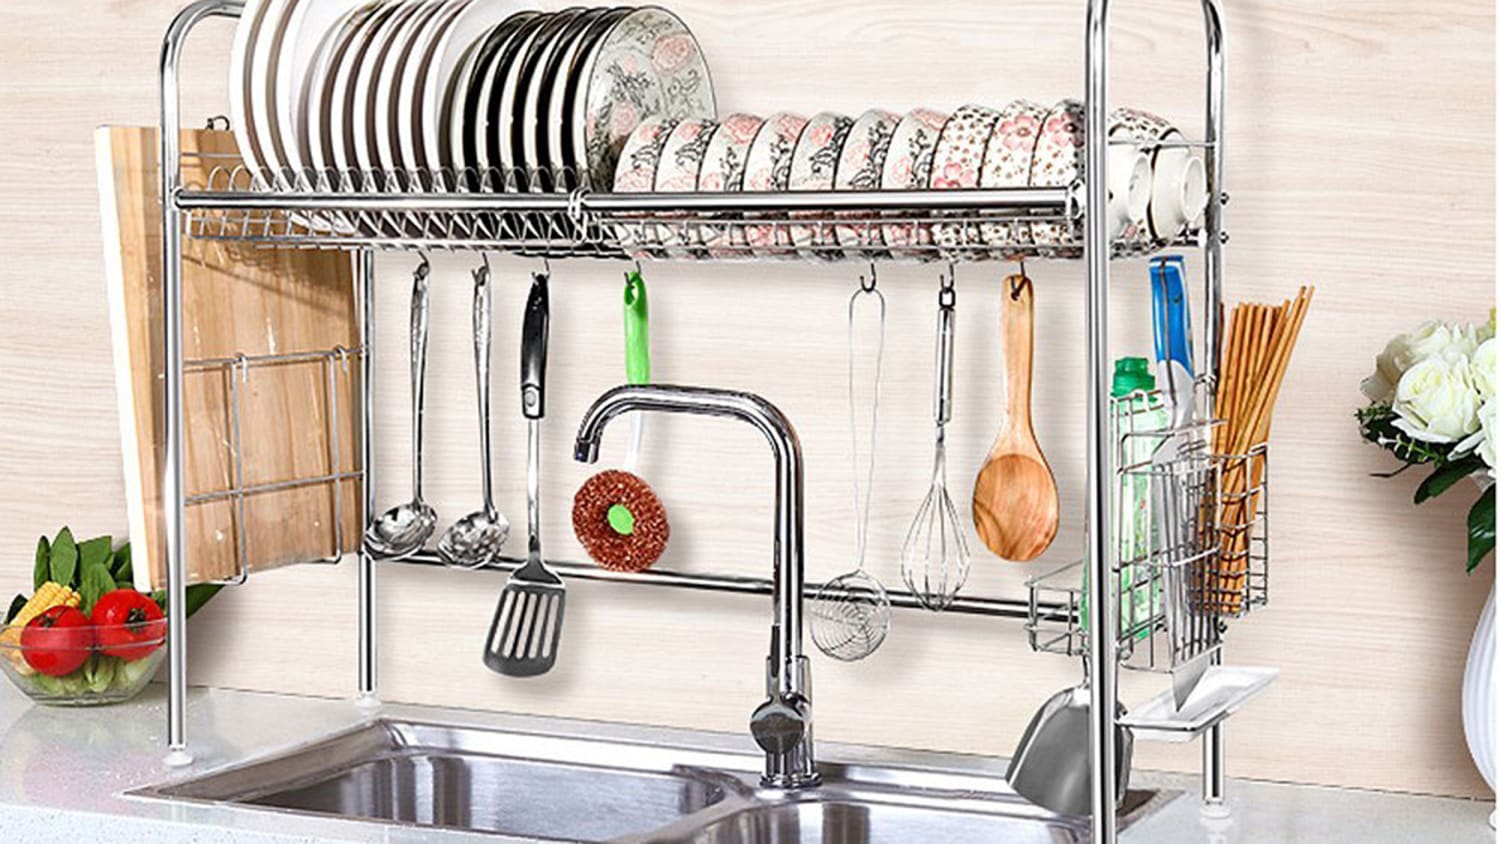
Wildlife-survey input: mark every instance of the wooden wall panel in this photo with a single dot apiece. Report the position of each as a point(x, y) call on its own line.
point(1360, 158)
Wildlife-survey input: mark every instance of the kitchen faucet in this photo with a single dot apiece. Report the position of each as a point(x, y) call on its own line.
point(782, 725)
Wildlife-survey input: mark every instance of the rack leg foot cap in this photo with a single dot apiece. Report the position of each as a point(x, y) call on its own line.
point(1217, 810)
point(367, 701)
point(178, 758)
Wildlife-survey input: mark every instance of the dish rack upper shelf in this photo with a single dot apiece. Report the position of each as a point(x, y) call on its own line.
point(542, 213)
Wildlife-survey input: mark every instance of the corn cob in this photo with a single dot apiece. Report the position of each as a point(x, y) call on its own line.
point(50, 595)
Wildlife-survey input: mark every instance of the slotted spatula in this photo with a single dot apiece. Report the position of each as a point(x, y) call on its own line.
point(528, 620)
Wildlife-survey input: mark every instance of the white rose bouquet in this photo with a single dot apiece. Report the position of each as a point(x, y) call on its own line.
point(1432, 403)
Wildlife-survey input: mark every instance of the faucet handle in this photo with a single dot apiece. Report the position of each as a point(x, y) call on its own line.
point(780, 724)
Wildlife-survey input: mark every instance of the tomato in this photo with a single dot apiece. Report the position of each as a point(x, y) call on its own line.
point(58, 641)
point(128, 624)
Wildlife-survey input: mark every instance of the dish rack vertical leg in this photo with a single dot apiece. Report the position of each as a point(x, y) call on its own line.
point(1099, 549)
point(172, 492)
point(1213, 279)
point(369, 696)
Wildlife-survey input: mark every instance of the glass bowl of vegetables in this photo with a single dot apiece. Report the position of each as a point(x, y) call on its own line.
point(63, 657)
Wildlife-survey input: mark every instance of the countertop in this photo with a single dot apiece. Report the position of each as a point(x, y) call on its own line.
point(65, 771)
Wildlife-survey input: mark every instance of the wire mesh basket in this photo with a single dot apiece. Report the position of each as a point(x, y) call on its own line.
point(1190, 532)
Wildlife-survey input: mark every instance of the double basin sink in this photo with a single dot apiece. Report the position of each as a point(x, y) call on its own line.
point(558, 788)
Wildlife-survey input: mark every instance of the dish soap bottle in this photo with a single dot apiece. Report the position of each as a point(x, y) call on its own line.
point(1136, 410)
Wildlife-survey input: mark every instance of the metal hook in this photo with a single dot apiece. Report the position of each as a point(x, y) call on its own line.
point(424, 269)
point(214, 122)
point(242, 364)
point(546, 267)
point(482, 273)
point(947, 290)
point(868, 285)
point(1019, 283)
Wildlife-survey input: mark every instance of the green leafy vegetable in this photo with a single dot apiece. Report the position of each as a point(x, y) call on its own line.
point(120, 568)
point(95, 551)
point(197, 595)
point(64, 558)
point(93, 585)
point(16, 604)
point(1482, 528)
point(43, 569)
point(99, 672)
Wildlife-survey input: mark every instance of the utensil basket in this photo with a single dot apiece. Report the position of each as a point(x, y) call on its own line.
point(1191, 545)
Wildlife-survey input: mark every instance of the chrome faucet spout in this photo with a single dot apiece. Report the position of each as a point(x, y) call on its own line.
point(782, 725)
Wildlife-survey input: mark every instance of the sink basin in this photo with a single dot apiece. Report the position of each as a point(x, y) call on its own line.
point(580, 789)
point(470, 779)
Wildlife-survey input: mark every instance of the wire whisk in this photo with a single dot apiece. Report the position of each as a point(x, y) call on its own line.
point(935, 556)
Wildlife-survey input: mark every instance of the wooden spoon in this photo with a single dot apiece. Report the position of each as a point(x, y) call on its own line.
point(1015, 495)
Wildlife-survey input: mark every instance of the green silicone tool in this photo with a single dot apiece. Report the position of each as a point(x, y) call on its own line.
point(637, 331)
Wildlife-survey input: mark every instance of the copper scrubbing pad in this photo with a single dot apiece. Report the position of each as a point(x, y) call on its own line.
point(620, 521)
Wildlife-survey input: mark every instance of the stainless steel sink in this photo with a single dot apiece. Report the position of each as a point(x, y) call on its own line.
point(546, 787)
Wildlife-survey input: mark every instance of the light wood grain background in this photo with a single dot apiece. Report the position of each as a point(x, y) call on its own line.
point(1360, 159)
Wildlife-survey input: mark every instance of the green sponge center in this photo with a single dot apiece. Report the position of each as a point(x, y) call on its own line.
point(621, 519)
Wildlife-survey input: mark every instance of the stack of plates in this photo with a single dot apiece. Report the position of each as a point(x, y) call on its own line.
point(444, 95)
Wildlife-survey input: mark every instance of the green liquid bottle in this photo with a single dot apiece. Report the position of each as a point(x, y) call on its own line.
point(1136, 409)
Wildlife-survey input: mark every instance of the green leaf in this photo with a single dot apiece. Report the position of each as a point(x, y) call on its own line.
point(94, 584)
point(120, 567)
point(95, 551)
point(43, 569)
point(1482, 528)
point(1443, 479)
point(101, 672)
point(64, 558)
point(197, 595)
point(15, 606)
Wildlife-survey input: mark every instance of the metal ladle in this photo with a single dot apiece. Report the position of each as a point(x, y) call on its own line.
point(475, 540)
point(402, 531)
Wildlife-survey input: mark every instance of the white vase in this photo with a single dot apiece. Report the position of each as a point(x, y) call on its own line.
point(1479, 695)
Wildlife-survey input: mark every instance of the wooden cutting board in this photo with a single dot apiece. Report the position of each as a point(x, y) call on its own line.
point(237, 299)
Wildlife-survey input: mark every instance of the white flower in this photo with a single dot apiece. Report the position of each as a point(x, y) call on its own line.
point(1483, 440)
point(1482, 369)
point(1435, 400)
point(1407, 350)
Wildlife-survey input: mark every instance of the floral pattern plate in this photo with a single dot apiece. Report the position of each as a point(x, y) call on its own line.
point(1007, 164)
point(1058, 162)
point(861, 164)
point(639, 160)
point(677, 172)
point(649, 64)
point(956, 165)
point(908, 166)
point(768, 167)
point(814, 162)
point(724, 172)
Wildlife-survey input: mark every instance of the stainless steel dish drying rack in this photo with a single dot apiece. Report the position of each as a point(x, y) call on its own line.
point(366, 212)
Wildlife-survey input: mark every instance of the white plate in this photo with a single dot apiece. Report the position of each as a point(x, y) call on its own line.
point(466, 149)
point(544, 102)
point(410, 150)
point(386, 112)
point(520, 93)
point(339, 106)
point(314, 147)
point(447, 70)
point(262, 70)
point(490, 157)
point(363, 113)
point(568, 107)
point(307, 29)
point(240, 76)
point(861, 165)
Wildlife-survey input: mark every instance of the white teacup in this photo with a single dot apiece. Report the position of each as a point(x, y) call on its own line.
point(1130, 190)
point(1179, 192)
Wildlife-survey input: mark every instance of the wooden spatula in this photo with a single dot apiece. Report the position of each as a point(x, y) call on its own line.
point(1015, 495)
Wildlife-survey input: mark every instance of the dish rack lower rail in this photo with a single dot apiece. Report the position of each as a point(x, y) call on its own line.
point(539, 213)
